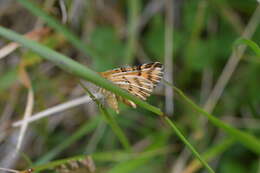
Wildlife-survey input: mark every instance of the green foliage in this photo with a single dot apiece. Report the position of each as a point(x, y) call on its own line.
point(141, 140)
point(110, 49)
point(87, 74)
point(7, 79)
point(249, 43)
point(250, 141)
point(110, 120)
point(154, 39)
point(58, 27)
point(80, 132)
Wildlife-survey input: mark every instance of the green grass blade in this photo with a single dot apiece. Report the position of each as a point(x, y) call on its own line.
point(219, 148)
point(249, 43)
point(185, 141)
point(75, 68)
point(110, 120)
point(82, 131)
point(122, 156)
point(214, 151)
point(117, 130)
point(131, 163)
point(79, 70)
point(249, 141)
point(54, 164)
point(114, 156)
point(60, 28)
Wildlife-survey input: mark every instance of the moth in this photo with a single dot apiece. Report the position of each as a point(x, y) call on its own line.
point(138, 80)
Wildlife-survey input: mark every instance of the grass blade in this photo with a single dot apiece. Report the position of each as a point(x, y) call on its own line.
point(110, 120)
point(60, 28)
point(75, 68)
point(211, 153)
point(249, 43)
point(185, 141)
point(79, 70)
point(249, 141)
point(82, 131)
point(53, 164)
point(131, 163)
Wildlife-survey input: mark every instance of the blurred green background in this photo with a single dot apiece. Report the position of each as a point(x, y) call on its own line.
point(193, 38)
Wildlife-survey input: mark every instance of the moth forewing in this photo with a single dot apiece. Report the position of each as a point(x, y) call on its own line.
point(138, 80)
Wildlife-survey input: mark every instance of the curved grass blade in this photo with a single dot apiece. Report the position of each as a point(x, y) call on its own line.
point(79, 70)
point(249, 43)
point(53, 164)
point(188, 144)
point(213, 152)
point(52, 22)
point(249, 141)
point(110, 120)
point(82, 131)
point(75, 68)
point(132, 162)
point(123, 156)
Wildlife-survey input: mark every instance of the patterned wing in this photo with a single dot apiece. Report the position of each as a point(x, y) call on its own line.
point(139, 80)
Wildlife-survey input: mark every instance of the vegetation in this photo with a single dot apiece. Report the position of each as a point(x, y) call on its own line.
point(50, 53)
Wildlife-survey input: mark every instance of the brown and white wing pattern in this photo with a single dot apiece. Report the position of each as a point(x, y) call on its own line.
point(138, 80)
